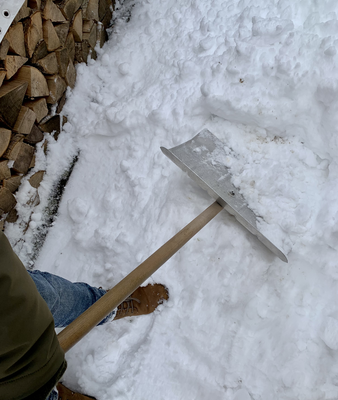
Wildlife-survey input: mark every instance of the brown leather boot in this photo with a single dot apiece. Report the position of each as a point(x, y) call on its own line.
point(143, 301)
point(67, 394)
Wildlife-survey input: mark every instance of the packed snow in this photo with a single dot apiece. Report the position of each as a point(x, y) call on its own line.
point(240, 324)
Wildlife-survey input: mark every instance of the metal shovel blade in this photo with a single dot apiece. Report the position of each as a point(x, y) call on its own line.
point(8, 11)
point(202, 158)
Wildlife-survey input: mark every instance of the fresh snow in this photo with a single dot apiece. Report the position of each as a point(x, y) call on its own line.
point(240, 324)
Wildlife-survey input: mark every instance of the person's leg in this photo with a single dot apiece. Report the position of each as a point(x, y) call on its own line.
point(65, 299)
point(54, 395)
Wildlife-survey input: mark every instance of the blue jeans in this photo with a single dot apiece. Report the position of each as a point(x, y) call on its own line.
point(66, 300)
point(54, 395)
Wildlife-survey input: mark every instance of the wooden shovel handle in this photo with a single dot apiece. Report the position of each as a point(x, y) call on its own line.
point(107, 303)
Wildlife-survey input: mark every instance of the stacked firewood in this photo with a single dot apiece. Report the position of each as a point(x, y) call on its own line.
point(37, 64)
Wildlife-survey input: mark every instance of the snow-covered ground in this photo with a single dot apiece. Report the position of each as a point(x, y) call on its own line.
point(240, 324)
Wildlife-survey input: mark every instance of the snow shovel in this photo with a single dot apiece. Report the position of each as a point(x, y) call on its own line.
point(201, 157)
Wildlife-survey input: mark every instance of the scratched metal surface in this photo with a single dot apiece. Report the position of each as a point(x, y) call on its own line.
point(8, 11)
point(202, 158)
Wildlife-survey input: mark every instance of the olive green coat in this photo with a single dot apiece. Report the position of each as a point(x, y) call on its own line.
point(31, 360)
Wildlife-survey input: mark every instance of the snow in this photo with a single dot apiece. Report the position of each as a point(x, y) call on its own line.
point(240, 324)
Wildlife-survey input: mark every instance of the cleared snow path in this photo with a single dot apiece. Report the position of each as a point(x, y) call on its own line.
point(240, 324)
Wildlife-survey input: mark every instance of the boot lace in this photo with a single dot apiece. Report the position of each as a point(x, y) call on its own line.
point(127, 305)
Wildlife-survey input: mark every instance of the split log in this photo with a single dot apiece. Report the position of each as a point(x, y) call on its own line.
point(62, 57)
point(12, 216)
point(48, 65)
point(34, 4)
point(101, 34)
point(50, 36)
point(106, 20)
point(4, 47)
point(16, 39)
point(39, 107)
point(87, 26)
point(5, 138)
point(104, 7)
point(33, 32)
point(25, 121)
point(36, 179)
point(23, 13)
point(91, 10)
point(82, 52)
point(14, 147)
point(62, 31)
point(37, 85)
point(23, 158)
point(35, 136)
point(70, 45)
point(52, 12)
point(39, 52)
point(61, 102)
point(91, 36)
point(13, 182)
point(5, 172)
point(53, 124)
point(7, 200)
point(45, 146)
point(13, 64)
point(70, 75)
point(80, 55)
point(2, 75)
point(63, 120)
point(11, 98)
point(57, 86)
point(76, 27)
point(32, 164)
point(69, 7)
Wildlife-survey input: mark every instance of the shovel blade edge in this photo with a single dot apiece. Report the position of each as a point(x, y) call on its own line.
point(204, 159)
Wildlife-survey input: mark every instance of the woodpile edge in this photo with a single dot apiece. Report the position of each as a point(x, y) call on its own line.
point(37, 63)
